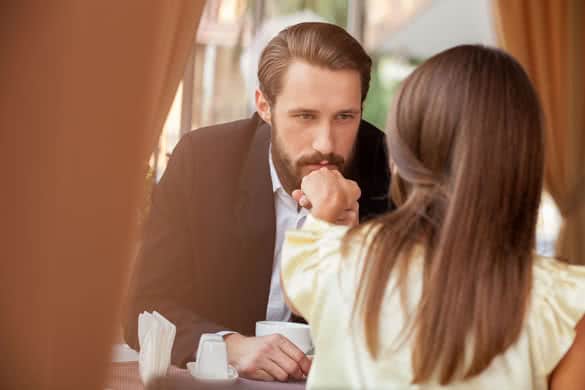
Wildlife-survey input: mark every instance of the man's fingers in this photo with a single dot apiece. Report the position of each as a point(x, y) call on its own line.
point(354, 206)
point(297, 355)
point(292, 368)
point(305, 202)
point(302, 199)
point(296, 195)
point(262, 375)
point(349, 216)
point(354, 189)
point(291, 350)
point(291, 359)
point(274, 369)
point(349, 219)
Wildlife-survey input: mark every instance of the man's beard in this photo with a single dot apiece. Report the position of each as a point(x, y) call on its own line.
point(290, 172)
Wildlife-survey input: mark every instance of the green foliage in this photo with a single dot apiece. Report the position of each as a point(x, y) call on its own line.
point(334, 11)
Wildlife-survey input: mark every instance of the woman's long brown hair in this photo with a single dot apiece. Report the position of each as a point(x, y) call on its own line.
point(466, 139)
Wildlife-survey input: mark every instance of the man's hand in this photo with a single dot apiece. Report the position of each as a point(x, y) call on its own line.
point(267, 358)
point(330, 197)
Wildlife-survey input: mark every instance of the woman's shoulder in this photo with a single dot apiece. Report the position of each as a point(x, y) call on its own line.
point(555, 280)
point(558, 303)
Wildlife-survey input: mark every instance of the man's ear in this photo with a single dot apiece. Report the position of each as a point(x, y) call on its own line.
point(263, 107)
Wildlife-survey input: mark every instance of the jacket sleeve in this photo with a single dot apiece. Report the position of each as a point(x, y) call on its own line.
point(164, 274)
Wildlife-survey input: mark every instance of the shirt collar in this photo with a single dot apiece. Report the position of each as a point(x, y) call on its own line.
point(276, 184)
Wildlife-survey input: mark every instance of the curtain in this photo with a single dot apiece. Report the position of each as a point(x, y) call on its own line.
point(547, 37)
point(86, 86)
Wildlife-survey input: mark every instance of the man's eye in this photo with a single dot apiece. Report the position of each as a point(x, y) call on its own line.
point(305, 116)
point(345, 116)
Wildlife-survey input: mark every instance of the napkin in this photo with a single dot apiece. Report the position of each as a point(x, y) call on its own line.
point(156, 336)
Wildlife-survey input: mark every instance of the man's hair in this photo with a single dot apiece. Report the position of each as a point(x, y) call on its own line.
point(321, 44)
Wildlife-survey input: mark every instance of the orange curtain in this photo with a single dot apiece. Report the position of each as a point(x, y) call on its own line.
point(548, 38)
point(85, 88)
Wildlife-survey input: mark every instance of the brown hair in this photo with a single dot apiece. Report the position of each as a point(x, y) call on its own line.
point(321, 44)
point(466, 138)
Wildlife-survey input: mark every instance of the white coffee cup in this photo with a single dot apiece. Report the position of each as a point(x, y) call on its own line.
point(298, 334)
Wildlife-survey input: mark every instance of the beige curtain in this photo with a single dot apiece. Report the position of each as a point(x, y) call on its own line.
point(85, 88)
point(548, 38)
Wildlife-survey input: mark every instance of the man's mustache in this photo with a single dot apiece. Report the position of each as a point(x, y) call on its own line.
point(317, 158)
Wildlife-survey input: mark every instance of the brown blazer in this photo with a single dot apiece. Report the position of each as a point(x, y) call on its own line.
point(206, 257)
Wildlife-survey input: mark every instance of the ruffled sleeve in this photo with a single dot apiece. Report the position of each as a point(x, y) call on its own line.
point(307, 255)
point(559, 304)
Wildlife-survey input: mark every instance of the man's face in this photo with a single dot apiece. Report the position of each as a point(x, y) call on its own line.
point(314, 120)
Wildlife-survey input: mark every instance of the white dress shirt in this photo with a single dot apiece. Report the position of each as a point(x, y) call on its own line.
point(288, 216)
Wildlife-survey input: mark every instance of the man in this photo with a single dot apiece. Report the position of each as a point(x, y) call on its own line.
point(209, 260)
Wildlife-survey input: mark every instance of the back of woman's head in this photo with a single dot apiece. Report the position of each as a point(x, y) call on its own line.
point(465, 136)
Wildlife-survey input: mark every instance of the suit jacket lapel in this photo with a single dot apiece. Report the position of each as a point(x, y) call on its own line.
point(256, 217)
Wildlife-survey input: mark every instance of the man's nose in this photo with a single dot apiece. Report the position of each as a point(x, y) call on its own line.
point(323, 141)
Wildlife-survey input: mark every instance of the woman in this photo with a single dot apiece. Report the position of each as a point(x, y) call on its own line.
point(446, 291)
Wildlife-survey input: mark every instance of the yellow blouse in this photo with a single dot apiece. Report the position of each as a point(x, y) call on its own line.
point(321, 284)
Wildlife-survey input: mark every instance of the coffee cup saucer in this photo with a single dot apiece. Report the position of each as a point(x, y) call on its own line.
point(232, 375)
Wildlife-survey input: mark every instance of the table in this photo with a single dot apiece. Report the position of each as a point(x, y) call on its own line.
point(124, 376)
